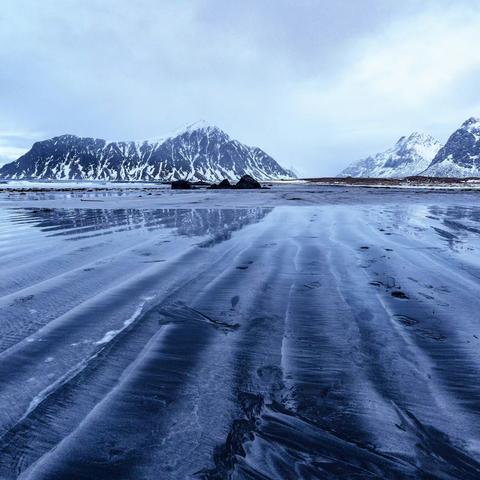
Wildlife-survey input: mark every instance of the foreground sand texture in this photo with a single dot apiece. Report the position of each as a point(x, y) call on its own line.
point(298, 332)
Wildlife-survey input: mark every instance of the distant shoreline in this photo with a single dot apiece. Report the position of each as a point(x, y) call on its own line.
point(36, 185)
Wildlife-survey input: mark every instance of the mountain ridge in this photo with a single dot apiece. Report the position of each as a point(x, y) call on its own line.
point(197, 152)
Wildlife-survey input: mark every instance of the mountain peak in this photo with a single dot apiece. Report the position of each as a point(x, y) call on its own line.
point(65, 137)
point(199, 125)
point(416, 137)
point(472, 124)
point(420, 136)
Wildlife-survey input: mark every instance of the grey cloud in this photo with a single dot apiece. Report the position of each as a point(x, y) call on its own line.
point(279, 74)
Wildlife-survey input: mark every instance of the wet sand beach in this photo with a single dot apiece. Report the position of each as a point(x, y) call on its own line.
point(300, 332)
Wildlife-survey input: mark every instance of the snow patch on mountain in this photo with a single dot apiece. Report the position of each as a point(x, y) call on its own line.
point(409, 156)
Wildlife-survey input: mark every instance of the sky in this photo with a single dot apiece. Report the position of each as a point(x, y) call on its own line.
point(317, 84)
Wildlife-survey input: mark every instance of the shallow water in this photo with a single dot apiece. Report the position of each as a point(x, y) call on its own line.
point(336, 340)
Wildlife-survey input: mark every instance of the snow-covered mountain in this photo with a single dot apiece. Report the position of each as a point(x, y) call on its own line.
point(409, 156)
point(198, 152)
point(460, 157)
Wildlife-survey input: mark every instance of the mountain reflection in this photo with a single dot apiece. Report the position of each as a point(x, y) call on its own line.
point(75, 224)
point(456, 224)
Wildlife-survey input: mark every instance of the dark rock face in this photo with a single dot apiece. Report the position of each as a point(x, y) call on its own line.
point(247, 182)
point(224, 184)
point(198, 153)
point(460, 157)
point(181, 185)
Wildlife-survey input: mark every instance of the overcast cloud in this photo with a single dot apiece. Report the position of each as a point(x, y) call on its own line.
point(315, 83)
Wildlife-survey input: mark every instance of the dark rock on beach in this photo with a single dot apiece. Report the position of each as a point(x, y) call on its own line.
point(181, 185)
point(247, 182)
point(224, 184)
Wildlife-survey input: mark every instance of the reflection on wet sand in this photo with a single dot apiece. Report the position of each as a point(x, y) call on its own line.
point(78, 223)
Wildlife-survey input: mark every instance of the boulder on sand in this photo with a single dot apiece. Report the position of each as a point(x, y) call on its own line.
point(247, 182)
point(181, 185)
